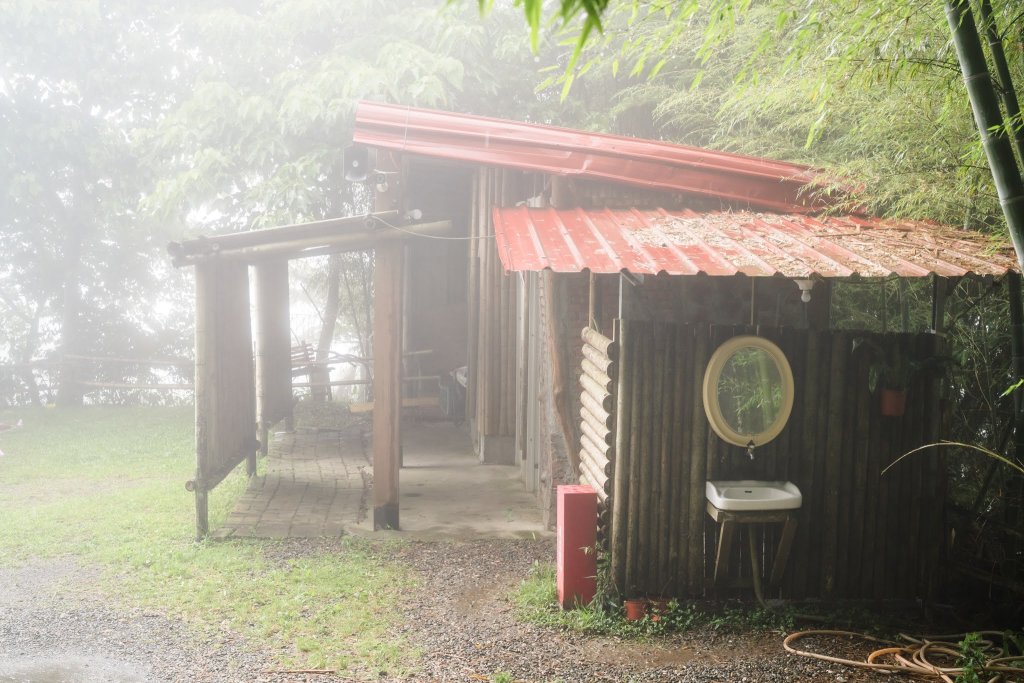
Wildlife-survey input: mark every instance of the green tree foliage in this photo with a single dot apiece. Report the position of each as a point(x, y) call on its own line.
point(871, 89)
point(77, 78)
point(219, 116)
point(259, 141)
point(274, 87)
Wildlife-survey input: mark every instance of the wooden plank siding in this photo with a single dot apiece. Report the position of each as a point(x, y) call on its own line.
point(860, 534)
point(491, 395)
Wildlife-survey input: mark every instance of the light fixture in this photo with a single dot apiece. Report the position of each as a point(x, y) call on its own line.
point(805, 285)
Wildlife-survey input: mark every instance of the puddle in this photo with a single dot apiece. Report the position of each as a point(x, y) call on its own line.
point(69, 670)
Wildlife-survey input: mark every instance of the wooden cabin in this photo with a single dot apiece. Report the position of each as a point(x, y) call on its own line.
point(591, 281)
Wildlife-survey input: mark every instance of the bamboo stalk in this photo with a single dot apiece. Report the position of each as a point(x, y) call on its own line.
point(596, 375)
point(989, 119)
point(833, 462)
point(599, 359)
point(600, 435)
point(620, 490)
point(698, 471)
point(645, 406)
point(595, 475)
point(591, 451)
point(602, 495)
point(595, 408)
point(633, 428)
point(602, 343)
point(597, 425)
point(667, 418)
point(596, 393)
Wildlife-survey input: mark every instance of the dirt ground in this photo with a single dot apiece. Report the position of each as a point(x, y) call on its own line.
point(56, 627)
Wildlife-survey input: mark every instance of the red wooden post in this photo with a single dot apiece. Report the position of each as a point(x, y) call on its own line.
point(577, 538)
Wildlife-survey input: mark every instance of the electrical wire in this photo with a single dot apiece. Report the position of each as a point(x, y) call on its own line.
point(419, 234)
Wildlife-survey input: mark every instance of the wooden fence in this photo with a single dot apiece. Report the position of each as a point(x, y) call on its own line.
point(861, 534)
point(107, 378)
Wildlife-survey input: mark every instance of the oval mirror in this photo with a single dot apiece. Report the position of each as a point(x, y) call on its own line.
point(748, 391)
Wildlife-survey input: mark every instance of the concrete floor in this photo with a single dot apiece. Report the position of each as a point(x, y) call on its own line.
point(319, 483)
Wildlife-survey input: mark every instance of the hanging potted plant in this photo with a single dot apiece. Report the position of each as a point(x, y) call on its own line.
point(891, 378)
point(893, 373)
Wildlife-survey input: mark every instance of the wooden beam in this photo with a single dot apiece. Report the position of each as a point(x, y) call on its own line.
point(252, 238)
point(361, 238)
point(355, 241)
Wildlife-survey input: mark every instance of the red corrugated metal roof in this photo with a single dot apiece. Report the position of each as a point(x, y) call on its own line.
point(759, 183)
point(727, 243)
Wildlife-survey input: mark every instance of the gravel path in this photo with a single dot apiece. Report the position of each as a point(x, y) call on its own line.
point(463, 618)
point(54, 629)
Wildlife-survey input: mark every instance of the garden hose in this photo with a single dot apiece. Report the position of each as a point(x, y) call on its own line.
point(911, 655)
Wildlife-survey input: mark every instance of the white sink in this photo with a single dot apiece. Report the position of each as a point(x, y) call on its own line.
point(748, 494)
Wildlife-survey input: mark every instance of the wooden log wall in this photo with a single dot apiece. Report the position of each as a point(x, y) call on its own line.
point(491, 396)
point(861, 534)
point(225, 388)
point(597, 420)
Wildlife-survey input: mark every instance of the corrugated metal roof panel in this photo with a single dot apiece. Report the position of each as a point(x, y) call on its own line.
point(727, 243)
point(734, 178)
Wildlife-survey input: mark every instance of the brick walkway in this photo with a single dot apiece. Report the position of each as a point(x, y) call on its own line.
point(317, 484)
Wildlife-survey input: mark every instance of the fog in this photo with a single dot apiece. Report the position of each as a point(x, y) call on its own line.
point(127, 125)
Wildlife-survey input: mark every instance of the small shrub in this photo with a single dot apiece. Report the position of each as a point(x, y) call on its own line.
point(537, 603)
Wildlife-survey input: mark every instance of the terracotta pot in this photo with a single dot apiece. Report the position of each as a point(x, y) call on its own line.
point(657, 607)
point(636, 609)
point(894, 402)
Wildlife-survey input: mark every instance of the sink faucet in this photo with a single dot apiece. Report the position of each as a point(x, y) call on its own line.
point(750, 449)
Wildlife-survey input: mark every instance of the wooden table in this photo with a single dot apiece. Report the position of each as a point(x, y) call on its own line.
point(728, 523)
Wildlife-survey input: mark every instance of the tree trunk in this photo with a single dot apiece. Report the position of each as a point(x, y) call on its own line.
point(322, 373)
point(27, 375)
point(70, 391)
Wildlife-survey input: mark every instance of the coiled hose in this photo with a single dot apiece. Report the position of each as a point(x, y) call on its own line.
point(911, 655)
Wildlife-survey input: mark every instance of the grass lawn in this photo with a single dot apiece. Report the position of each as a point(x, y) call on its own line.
point(105, 485)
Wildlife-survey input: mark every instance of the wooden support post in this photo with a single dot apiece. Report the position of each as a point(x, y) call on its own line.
point(273, 357)
point(202, 514)
point(726, 533)
point(782, 554)
point(387, 383)
point(387, 362)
